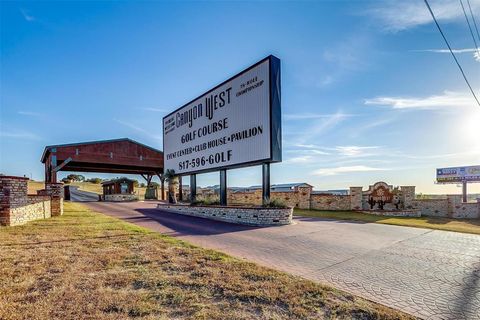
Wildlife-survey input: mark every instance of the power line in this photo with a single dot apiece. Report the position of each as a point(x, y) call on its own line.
point(469, 27)
point(453, 54)
point(473, 18)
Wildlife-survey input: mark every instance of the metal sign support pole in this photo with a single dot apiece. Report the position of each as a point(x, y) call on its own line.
point(464, 191)
point(223, 187)
point(180, 189)
point(193, 188)
point(266, 183)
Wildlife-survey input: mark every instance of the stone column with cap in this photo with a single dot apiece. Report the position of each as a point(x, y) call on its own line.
point(55, 191)
point(408, 196)
point(356, 196)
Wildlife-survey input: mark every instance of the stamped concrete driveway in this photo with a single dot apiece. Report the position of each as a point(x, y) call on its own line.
point(430, 274)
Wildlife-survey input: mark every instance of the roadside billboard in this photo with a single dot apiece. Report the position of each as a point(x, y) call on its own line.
point(458, 174)
point(235, 124)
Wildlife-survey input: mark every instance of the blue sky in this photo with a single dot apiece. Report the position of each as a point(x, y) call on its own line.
point(368, 92)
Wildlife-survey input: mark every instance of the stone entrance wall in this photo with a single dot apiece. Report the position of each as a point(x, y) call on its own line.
point(304, 198)
point(241, 215)
point(432, 207)
point(297, 198)
point(17, 207)
point(330, 202)
point(120, 197)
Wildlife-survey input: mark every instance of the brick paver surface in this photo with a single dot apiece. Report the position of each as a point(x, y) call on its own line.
point(430, 274)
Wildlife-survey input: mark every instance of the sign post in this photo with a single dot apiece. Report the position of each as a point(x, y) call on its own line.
point(193, 188)
point(223, 187)
point(266, 183)
point(180, 189)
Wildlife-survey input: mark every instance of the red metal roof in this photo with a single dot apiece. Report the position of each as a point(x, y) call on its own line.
point(109, 156)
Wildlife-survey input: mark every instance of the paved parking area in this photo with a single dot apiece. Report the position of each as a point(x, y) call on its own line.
point(430, 274)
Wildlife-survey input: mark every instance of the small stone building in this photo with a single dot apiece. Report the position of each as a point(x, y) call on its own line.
point(121, 189)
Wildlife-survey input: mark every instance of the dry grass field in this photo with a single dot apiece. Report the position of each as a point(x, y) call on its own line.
point(457, 225)
point(85, 265)
point(33, 186)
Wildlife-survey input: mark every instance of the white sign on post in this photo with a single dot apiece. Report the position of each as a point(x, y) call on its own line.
point(235, 124)
point(458, 174)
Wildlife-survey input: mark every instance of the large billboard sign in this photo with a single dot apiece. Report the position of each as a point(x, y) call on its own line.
point(458, 174)
point(235, 124)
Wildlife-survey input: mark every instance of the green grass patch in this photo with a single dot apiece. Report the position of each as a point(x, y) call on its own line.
point(457, 225)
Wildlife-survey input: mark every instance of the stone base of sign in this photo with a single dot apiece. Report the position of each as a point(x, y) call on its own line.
point(395, 213)
point(119, 197)
point(254, 216)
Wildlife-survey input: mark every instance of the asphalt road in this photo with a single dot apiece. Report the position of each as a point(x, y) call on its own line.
point(430, 274)
point(77, 195)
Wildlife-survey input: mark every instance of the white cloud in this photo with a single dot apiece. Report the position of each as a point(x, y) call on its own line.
point(155, 109)
point(344, 151)
point(307, 133)
point(373, 123)
point(312, 116)
point(355, 151)
point(131, 126)
point(400, 15)
point(327, 124)
point(139, 129)
point(29, 113)
point(27, 16)
point(476, 53)
point(313, 154)
point(346, 169)
point(446, 100)
point(447, 50)
point(300, 160)
point(20, 135)
point(307, 150)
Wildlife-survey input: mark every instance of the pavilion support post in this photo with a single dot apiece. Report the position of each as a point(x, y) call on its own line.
point(265, 183)
point(193, 188)
point(162, 183)
point(464, 191)
point(53, 164)
point(223, 187)
point(163, 189)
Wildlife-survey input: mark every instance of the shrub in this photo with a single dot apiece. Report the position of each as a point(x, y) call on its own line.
point(206, 201)
point(94, 180)
point(275, 203)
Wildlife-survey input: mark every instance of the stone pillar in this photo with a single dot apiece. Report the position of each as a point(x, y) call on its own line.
point(408, 196)
point(304, 194)
point(13, 195)
point(55, 191)
point(454, 201)
point(356, 196)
